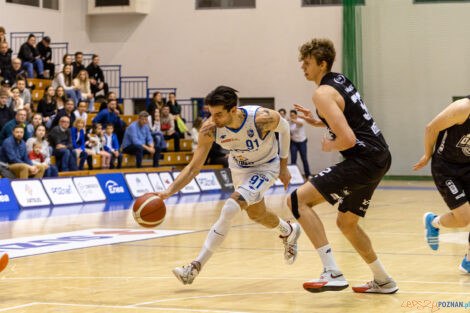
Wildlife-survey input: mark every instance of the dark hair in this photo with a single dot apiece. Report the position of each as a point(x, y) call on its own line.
point(36, 128)
point(64, 57)
point(172, 93)
point(282, 110)
point(222, 95)
point(31, 36)
point(293, 111)
point(95, 126)
point(156, 93)
point(321, 49)
point(109, 125)
point(2, 29)
point(197, 123)
point(17, 126)
point(20, 77)
point(47, 39)
point(78, 53)
point(94, 56)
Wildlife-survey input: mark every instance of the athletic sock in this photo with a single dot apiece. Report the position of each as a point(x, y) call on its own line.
point(327, 258)
point(468, 251)
point(204, 256)
point(380, 275)
point(284, 228)
point(436, 222)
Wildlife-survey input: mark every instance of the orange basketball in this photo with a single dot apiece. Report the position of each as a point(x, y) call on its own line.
point(149, 210)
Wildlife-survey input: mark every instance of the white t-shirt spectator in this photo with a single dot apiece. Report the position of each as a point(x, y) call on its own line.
point(297, 132)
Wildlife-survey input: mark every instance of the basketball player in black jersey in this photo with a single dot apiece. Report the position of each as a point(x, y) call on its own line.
point(449, 131)
point(352, 182)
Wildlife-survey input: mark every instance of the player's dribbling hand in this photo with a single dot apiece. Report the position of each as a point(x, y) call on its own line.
point(162, 194)
point(421, 163)
point(284, 176)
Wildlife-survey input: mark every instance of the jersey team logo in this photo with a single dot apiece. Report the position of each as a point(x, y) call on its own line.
point(340, 79)
point(464, 144)
point(250, 133)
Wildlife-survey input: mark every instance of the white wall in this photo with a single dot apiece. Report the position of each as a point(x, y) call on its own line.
point(415, 60)
point(252, 50)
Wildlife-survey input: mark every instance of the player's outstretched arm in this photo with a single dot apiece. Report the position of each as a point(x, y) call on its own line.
point(205, 140)
point(308, 116)
point(456, 113)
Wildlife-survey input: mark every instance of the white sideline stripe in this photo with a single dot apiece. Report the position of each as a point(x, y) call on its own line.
point(139, 308)
point(18, 306)
point(220, 278)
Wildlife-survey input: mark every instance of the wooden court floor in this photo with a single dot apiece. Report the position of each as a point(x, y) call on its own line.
point(248, 273)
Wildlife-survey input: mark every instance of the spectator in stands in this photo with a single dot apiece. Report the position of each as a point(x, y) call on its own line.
point(64, 79)
point(96, 140)
point(25, 94)
point(298, 141)
point(155, 130)
point(46, 55)
point(36, 156)
point(282, 112)
point(15, 71)
point(60, 138)
point(2, 34)
point(80, 112)
point(96, 76)
point(47, 106)
point(6, 112)
point(195, 132)
point(217, 155)
point(66, 60)
point(205, 112)
point(110, 96)
point(20, 118)
point(175, 110)
point(36, 120)
point(60, 97)
point(111, 145)
point(66, 111)
point(31, 58)
point(155, 103)
point(83, 83)
point(168, 127)
point(138, 140)
point(14, 154)
point(5, 86)
point(77, 64)
point(79, 141)
point(5, 58)
point(40, 136)
point(15, 101)
point(111, 115)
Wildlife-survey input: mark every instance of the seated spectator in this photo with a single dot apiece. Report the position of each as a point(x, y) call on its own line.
point(5, 87)
point(15, 101)
point(137, 140)
point(60, 97)
point(110, 96)
point(15, 71)
point(217, 155)
point(96, 139)
point(46, 55)
point(111, 115)
point(66, 111)
point(168, 127)
point(2, 34)
point(83, 83)
point(205, 112)
point(6, 112)
point(175, 110)
point(80, 112)
point(155, 103)
point(111, 145)
point(47, 106)
point(20, 118)
point(155, 130)
point(60, 139)
point(14, 154)
point(40, 136)
point(36, 120)
point(96, 76)
point(64, 79)
point(25, 94)
point(77, 64)
point(37, 158)
point(79, 144)
point(195, 132)
point(31, 58)
point(5, 58)
point(66, 60)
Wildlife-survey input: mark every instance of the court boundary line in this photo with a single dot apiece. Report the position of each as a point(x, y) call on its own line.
point(18, 306)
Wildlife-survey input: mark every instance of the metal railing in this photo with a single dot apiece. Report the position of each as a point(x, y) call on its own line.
point(19, 38)
point(164, 91)
point(133, 87)
point(87, 57)
point(59, 49)
point(112, 75)
point(188, 111)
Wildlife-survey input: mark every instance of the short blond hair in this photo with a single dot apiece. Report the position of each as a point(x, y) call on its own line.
point(321, 49)
point(77, 121)
point(37, 143)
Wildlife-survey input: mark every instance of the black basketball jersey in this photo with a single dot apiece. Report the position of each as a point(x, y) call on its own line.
point(453, 143)
point(369, 139)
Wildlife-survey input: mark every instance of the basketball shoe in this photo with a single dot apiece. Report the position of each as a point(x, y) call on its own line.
point(432, 233)
point(330, 280)
point(186, 274)
point(3, 260)
point(290, 243)
point(375, 287)
point(465, 265)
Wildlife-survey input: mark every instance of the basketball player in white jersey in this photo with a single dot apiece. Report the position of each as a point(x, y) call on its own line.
point(248, 133)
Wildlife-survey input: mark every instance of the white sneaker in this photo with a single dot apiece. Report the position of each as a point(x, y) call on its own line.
point(375, 287)
point(186, 274)
point(290, 243)
point(330, 280)
point(3, 260)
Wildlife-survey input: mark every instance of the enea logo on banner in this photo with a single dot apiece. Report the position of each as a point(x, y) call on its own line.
point(114, 186)
point(7, 199)
point(20, 247)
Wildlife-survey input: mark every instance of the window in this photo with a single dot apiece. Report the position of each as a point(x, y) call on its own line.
point(50, 4)
point(225, 4)
point(327, 2)
point(34, 3)
point(111, 3)
point(47, 4)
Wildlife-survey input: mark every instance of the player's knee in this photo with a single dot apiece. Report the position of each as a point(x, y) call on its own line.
point(256, 216)
point(230, 210)
point(238, 198)
point(345, 226)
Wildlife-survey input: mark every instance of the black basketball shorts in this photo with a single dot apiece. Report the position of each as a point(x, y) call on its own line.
point(352, 182)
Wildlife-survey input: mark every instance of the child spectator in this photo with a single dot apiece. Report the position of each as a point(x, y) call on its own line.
point(155, 129)
point(78, 142)
point(35, 155)
point(40, 136)
point(96, 141)
point(111, 145)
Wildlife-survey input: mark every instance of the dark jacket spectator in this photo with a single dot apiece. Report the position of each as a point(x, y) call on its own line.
point(45, 52)
point(5, 58)
point(47, 107)
point(14, 71)
point(6, 113)
point(66, 111)
point(28, 53)
point(60, 138)
point(111, 116)
point(96, 76)
point(7, 129)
